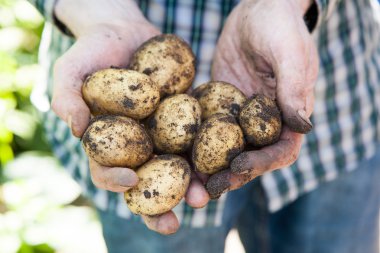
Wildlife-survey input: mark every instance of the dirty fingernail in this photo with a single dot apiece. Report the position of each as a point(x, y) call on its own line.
point(297, 121)
point(305, 118)
point(218, 184)
point(240, 164)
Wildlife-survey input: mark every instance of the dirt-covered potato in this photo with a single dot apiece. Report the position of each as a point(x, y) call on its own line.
point(121, 92)
point(168, 60)
point(219, 140)
point(219, 97)
point(174, 124)
point(117, 141)
point(260, 119)
point(163, 182)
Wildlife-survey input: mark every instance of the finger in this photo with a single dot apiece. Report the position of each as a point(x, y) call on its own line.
point(166, 223)
point(295, 83)
point(196, 195)
point(225, 181)
point(113, 179)
point(251, 164)
point(281, 154)
point(67, 101)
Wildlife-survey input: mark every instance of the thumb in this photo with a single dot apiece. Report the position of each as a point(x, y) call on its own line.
point(296, 72)
point(67, 101)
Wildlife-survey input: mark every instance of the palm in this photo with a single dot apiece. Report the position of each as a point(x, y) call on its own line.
point(265, 48)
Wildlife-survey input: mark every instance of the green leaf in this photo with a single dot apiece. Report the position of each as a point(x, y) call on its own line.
point(8, 64)
point(39, 248)
point(6, 154)
point(6, 136)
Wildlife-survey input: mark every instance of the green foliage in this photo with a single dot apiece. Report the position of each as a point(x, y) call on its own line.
point(39, 248)
point(20, 126)
point(37, 197)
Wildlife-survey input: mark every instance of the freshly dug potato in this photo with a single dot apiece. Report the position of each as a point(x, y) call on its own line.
point(168, 60)
point(163, 183)
point(219, 140)
point(260, 119)
point(174, 124)
point(117, 141)
point(219, 97)
point(121, 92)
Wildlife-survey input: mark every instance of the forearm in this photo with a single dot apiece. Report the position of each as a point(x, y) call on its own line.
point(81, 15)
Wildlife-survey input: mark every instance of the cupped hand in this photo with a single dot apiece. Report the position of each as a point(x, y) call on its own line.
point(100, 46)
point(118, 179)
point(265, 48)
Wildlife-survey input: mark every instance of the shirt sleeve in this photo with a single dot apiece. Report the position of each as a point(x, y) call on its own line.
point(319, 12)
point(46, 8)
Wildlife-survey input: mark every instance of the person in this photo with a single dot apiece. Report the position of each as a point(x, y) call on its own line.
point(319, 59)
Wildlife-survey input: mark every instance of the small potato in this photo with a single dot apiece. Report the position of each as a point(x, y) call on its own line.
point(168, 60)
point(117, 141)
point(121, 92)
point(218, 141)
point(219, 97)
point(174, 124)
point(260, 119)
point(163, 182)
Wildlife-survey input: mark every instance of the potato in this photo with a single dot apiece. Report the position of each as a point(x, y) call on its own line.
point(218, 141)
point(260, 119)
point(219, 97)
point(163, 182)
point(168, 60)
point(174, 124)
point(121, 92)
point(117, 141)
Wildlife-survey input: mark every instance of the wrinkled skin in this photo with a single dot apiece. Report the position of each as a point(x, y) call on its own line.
point(265, 48)
point(106, 36)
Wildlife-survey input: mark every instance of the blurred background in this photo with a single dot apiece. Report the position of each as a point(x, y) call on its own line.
point(41, 207)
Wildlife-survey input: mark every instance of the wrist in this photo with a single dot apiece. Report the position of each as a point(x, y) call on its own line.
point(79, 16)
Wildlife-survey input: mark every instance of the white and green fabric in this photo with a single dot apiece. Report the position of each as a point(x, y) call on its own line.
point(346, 115)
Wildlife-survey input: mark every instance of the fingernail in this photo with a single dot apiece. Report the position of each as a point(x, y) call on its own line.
point(302, 114)
point(297, 121)
point(218, 184)
point(240, 164)
point(128, 179)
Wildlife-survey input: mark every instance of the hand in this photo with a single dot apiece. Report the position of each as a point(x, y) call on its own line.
point(121, 179)
point(265, 48)
point(107, 33)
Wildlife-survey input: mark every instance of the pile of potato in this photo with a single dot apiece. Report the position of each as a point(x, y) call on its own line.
point(143, 111)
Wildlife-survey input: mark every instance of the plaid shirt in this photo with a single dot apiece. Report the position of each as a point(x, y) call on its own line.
point(347, 97)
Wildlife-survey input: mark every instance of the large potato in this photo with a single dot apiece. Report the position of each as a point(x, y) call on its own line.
point(260, 119)
point(219, 97)
point(168, 60)
point(163, 182)
point(117, 141)
point(218, 141)
point(174, 124)
point(121, 92)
